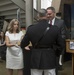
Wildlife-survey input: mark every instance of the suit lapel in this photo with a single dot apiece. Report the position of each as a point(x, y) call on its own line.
point(56, 22)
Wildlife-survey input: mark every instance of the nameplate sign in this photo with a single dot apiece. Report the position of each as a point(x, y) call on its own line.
point(71, 45)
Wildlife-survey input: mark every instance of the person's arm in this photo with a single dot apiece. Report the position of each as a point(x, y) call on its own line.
point(18, 42)
point(27, 47)
point(25, 41)
point(63, 30)
point(2, 44)
point(7, 41)
point(60, 43)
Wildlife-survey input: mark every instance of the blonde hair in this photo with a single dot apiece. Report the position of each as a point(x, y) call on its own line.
point(11, 24)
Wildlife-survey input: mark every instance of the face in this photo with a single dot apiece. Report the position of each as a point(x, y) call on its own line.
point(2, 34)
point(15, 26)
point(50, 14)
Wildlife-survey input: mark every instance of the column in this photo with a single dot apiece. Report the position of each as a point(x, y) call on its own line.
point(29, 12)
point(38, 5)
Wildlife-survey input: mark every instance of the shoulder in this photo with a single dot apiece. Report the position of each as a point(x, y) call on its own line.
point(60, 20)
point(7, 33)
point(21, 33)
point(31, 26)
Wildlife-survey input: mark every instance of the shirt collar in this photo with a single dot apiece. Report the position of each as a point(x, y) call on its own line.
point(53, 20)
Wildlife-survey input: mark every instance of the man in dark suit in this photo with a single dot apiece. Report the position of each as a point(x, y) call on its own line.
point(43, 56)
point(51, 15)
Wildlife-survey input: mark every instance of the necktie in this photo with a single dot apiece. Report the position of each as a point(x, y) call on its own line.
point(51, 23)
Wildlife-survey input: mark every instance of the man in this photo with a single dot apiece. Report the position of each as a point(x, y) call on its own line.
point(60, 24)
point(43, 56)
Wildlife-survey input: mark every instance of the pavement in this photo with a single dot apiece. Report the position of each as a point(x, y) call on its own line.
point(67, 69)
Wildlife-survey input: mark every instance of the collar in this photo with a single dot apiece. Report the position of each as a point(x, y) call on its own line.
point(53, 20)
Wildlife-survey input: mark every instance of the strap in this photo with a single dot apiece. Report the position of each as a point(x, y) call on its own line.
point(42, 36)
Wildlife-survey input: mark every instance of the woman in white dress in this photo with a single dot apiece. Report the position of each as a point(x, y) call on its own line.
point(14, 54)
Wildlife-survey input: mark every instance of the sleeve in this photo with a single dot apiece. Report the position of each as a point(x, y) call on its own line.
point(26, 40)
point(7, 33)
point(63, 30)
point(21, 33)
point(60, 43)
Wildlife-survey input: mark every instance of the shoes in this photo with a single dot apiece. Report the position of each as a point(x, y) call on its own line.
point(60, 68)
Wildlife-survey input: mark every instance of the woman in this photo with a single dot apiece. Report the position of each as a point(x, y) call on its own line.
point(14, 55)
point(2, 45)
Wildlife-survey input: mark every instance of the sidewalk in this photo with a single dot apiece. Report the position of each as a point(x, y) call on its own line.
point(3, 69)
point(67, 69)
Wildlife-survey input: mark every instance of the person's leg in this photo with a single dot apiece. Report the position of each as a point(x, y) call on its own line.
point(20, 71)
point(9, 71)
point(57, 64)
point(60, 60)
point(49, 72)
point(36, 72)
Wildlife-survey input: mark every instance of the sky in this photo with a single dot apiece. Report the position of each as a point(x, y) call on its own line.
point(44, 3)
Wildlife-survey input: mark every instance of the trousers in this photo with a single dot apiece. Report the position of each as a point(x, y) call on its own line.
point(46, 72)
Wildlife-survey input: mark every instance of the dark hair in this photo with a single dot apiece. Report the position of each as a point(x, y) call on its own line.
point(51, 8)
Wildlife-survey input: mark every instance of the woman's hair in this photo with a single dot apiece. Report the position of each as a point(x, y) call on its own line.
point(3, 35)
point(11, 24)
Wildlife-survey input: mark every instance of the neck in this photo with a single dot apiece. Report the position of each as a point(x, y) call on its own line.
point(14, 31)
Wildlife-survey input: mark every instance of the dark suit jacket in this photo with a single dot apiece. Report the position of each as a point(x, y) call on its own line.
point(60, 23)
point(43, 59)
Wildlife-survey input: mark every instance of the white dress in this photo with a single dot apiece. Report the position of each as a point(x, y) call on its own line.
point(14, 55)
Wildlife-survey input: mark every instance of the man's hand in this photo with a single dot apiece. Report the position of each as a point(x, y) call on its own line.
point(27, 48)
